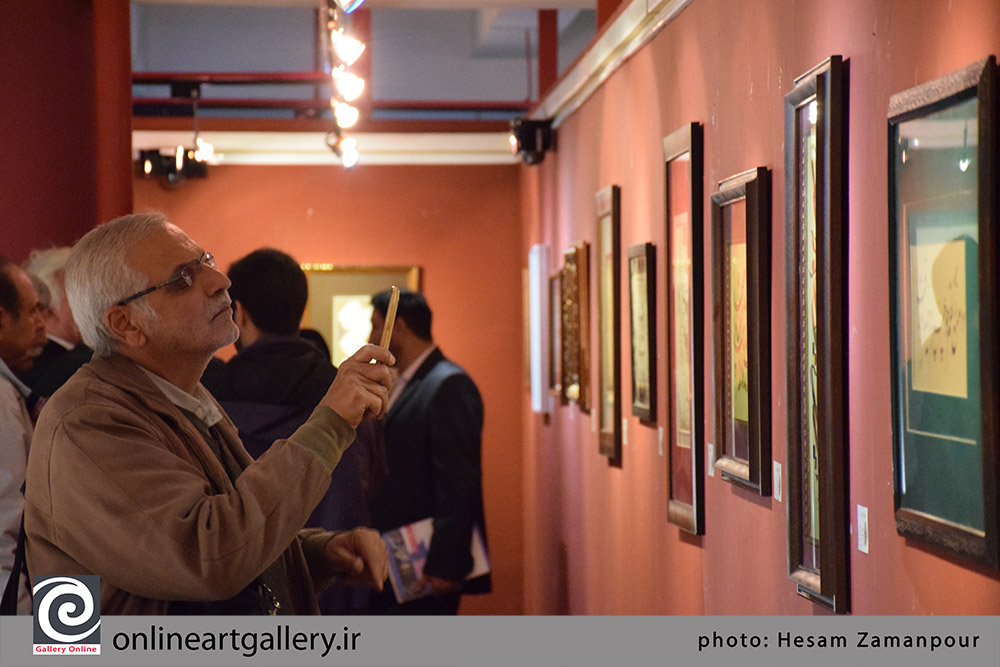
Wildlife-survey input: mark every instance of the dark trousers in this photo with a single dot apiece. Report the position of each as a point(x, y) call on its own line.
point(432, 605)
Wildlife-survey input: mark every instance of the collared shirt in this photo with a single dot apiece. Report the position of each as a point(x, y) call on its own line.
point(199, 403)
point(407, 375)
point(15, 440)
point(65, 344)
point(8, 375)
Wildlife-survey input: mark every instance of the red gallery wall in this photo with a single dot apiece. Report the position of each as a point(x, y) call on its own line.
point(65, 160)
point(596, 537)
point(460, 224)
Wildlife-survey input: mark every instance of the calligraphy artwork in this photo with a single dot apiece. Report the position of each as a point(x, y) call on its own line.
point(943, 214)
point(608, 317)
point(642, 311)
point(816, 153)
point(684, 276)
point(741, 248)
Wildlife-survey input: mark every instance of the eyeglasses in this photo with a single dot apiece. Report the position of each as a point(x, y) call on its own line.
point(186, 275)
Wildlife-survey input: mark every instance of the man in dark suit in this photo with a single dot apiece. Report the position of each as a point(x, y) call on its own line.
point(433, 442)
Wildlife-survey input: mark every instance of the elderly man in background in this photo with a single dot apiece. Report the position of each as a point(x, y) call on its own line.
point(65, 351)
point(138, 476)
point(22, 332)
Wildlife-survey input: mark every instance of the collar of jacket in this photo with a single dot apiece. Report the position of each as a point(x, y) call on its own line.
point(126, 375)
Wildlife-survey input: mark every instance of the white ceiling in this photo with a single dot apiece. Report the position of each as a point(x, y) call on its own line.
point(498, 32)
point(396, 4)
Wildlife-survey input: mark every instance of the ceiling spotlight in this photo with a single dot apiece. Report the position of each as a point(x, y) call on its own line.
point(345, 114)
point(350, 86)
point(172, 166)
point(347, 49)
point(203, 151)
point(349, 154)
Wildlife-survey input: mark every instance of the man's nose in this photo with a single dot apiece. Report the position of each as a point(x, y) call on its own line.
point(215, 279)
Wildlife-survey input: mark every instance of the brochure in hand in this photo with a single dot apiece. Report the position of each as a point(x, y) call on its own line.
point(408, 546)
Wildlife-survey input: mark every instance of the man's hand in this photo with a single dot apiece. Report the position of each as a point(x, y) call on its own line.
point(361, 389)
point(360, 557)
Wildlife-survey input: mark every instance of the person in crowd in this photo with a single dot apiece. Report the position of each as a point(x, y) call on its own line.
point(316, 338)
point(433, 442)
point(138, 476)
point(273, 383)
point(64, 352)
point(22, 332)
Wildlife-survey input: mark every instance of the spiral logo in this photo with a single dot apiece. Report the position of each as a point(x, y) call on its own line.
point(67, 614)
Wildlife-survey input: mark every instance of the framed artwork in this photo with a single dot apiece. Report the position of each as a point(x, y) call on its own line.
point(526, 328)
point(555, 335)
point(339, 304)
point(943, 306)
point(741, 303)
point(538, 314)
point(575, 279)
point(609, 356)
point(816, 154)
point(642, 315)
point(683, 158)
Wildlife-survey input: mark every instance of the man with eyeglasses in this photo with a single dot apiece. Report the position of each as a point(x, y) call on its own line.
point(137, 475)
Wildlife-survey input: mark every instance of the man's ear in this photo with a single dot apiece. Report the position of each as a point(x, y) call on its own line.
point(400, 326)
point(240, 315)
point(124, 326)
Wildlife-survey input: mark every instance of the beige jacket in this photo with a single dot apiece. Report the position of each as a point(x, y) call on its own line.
point(120, 484)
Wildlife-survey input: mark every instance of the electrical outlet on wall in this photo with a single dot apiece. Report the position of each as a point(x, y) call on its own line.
point(862, 529)
point(710, 448)
point(624, 432)
point(660, 440)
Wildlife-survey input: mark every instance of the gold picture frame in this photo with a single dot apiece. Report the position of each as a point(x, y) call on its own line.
point(339, 302)
point(576, 324)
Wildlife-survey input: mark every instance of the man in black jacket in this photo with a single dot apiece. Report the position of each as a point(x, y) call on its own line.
point(276, 380)
point(433, 442)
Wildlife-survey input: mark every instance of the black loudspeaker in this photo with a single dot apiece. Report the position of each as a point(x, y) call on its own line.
point(531, 139)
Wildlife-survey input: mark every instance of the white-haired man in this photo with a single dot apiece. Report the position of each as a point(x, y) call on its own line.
point(65, 351)
point(136, 474)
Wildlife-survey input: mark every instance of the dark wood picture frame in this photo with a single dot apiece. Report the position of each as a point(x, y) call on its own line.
point(609, 356)
point(576, 324)
point(943, 217)
point(684, 289)
point(743, 449)
point(642, 315)
point(816, 215)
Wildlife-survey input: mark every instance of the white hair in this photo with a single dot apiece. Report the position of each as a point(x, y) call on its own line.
point(98, 275)
point(47, 265)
